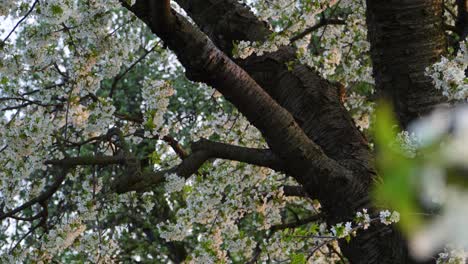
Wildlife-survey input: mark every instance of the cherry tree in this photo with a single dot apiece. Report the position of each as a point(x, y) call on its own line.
point(225, 131)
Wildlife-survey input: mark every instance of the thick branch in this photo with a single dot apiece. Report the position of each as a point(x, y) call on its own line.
point(206, 63)
point(312, 100)
point(203, 151)
point(294, 190)
point(226, 21)
point(161, 17)
point(316, 106)
point(260, 157)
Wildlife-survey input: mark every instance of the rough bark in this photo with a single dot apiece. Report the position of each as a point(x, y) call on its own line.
point(315, 105)
point(311, 100)
point(406, 36)
point(204, 62)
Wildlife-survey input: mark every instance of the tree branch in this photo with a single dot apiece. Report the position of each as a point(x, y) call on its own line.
point(204, 62)
point(313, 101)
point(88, 160)
point(294, 190)
point(120, 76)
point(202, 151)
point(323, 22)
point(298, 223)
point(260, 157)
point(28, 219)
point(20, 21)
point(41, 198)
point(402, 47)
point(178, 149)
point(161, 17)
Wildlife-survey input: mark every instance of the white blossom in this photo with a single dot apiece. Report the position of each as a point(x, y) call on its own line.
point(388, 218)
point(174, 183)
point(363, 219)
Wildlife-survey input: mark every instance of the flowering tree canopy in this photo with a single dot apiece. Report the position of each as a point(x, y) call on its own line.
point(230, 131)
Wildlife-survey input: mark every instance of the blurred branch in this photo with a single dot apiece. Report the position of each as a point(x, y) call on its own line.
point(323, 22)
point(298, 223)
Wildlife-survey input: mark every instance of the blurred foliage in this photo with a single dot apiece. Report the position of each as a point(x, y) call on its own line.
point(397, 190)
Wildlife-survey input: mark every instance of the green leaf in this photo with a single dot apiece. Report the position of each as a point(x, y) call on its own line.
point(298, 258)
point(397, 190)
point(235, 49)
point(314, 228)
point(56, 10)
point(155, 157)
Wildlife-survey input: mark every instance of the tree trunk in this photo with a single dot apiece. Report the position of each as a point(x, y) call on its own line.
point(406, 36)
point(461, 23)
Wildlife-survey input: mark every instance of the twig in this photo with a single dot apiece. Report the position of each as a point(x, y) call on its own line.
point(21, 20)
point(298, 223)
point(24, 236)
point(120, 76)
point(29, 219)
point(332, 248)
point(178, 149)
point(42, 197)
point(323, 22)
point(450, 11)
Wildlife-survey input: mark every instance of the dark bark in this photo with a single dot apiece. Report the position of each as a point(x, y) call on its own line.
point(406, 36)
point(135, 179)
point(316, 107)
point(313, 103)
point(312, 100)
point(204, 62)
point(461, 23)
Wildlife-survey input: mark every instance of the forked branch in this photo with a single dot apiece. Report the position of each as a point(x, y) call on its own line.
point(204, 62)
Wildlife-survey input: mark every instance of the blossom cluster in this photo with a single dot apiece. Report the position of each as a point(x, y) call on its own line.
point(53, 71)
point(448, 75)
point(408, 142)
point(156, 94)
point(62, 76)
point(338, 51)
point(452, 256)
